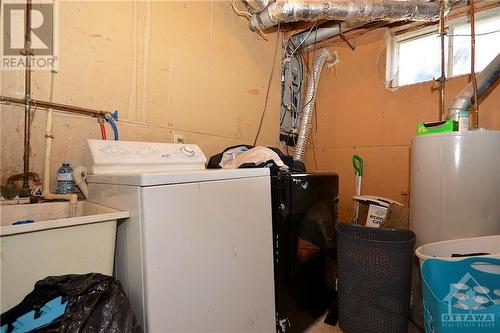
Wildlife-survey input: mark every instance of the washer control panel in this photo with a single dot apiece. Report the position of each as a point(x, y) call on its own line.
point(130, 156)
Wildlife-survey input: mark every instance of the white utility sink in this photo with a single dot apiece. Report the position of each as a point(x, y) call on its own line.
point(59, 241)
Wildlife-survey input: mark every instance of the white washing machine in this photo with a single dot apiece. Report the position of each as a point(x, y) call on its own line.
point(196, 254)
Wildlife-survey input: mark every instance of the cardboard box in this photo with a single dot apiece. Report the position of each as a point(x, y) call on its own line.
point(373, 209)
point(376, 215)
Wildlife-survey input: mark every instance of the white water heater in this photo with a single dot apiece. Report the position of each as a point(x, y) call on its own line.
point(455, 185)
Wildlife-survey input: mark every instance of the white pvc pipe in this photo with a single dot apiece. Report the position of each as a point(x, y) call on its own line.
point(72, 198)
point(48, 139)
point(48, 150)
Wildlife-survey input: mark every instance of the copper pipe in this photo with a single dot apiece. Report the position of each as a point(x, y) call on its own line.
point(442, 79)
point(475, 112)
point(28, 102)
point(27, 96)
point(55, 106)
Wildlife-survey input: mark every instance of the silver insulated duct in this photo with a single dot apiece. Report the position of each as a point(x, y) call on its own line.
point(485, 80)
point(256, 6)
point(323, 55)
point(283, 11)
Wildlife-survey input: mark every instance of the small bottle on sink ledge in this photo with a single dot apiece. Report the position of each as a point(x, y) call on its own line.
point(65, 182)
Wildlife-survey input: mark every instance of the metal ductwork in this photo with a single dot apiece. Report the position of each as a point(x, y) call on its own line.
point(256, 6)
point(485, 80)
point(323, 55)
point(283, 11)
point(324, 31)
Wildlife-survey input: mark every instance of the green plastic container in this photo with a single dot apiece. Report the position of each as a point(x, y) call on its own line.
point(437, 127)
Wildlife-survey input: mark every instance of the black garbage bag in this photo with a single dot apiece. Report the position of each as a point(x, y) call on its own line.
point(96, 303)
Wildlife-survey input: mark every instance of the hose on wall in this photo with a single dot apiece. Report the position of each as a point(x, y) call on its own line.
point(103, 130)
point(111, 121)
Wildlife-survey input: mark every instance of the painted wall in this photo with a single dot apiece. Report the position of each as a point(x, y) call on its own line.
point(358, 115)
point(187, 67)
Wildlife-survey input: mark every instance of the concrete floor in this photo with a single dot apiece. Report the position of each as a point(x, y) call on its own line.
point(321, 327)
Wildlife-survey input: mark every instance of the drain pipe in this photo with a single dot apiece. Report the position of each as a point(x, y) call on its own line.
point(324, 55)
point(48, 149)
point(72, 198)
point(485, 80)
point(80, 175)
point(283, 11)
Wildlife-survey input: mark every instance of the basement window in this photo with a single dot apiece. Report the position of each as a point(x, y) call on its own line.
point(416, 57)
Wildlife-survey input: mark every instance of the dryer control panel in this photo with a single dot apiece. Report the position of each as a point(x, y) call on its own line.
point(134, 157)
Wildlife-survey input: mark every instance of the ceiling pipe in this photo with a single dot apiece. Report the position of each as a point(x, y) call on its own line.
point(324, 31)
point(284, 11)
point(485, 80)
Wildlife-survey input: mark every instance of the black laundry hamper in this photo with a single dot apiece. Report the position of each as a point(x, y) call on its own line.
point(374, 278)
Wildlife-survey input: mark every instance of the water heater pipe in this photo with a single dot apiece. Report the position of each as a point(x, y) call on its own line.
point(324, 55)
point(485, 80)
